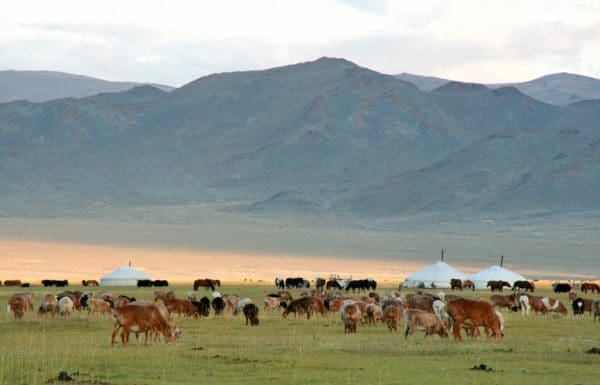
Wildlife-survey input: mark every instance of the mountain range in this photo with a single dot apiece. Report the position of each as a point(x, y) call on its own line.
point(41, 86)
point(326, 136)
point(559, 89)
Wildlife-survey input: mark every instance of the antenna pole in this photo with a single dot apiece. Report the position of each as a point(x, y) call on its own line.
point(442, 255)
point(501, 260)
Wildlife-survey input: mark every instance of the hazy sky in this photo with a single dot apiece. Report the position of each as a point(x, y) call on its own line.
point(176, 41)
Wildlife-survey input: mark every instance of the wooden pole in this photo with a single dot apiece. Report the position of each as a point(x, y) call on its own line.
point(442, 255)
point(501, 260)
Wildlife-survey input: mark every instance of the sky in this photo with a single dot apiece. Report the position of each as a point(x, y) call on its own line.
point(176, 41)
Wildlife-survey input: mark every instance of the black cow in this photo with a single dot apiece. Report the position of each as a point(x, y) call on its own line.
point(297, 283)
point(497, 285)
point(55, 282)
point(251, 313)
point(319, 283)
point(333, 284)
point(160, 283)
point(578, 306)
point(561, 287)
point(144, 283)
point(456, 283)
point(524, 285)
point(218, 305)
point(202, 308)
point(280, 283)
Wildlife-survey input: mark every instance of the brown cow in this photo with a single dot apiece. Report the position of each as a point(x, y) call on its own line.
point(392, 315)
point(479, 312)
point(421, 302)
point(181, 306)
point(468, 284)
point(89, 282)
point(49, 305)
point(350, 315)
point(504, 301)
point(374, 313)
point(28, 297)
point(18, 305)
point(416, 319)
point(299, 306)
point(594, 288)
point(141, 317)
point(596, 309)
point(456, 283)
point(13, 282)
point(98, 306)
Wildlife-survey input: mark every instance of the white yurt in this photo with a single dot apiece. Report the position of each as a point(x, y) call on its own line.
point(123, 276)
point(437, 275)
point(494, 273)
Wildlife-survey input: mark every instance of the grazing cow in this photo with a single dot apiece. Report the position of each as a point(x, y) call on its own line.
point(587, 302)
point(578, 306)
point(320, 283)
point(391, 317)
point(503, 301)
point(218, 305)
point(468, 284)
point(160, 283)
point(239, 308)
point(205, 283)
point(456, 283)
point(231, 300)
point(479, 313)
point(594, 288)
point(122, 300)
point(524, 285)
point(374, 313)
point(162, 295)
point(299, 306)
point(561, 287)
point(18, 305)
point(28, 297)
point(333, 284)
point(350, 315)
point(596, 309)
point(98, 306)
point(250, 311)
point(280, 283)
point(49, 305)
point(13, 282)
point(554, 305)
point(89, 282)
point(419, 320)
point(297, 283)
point(202, 306)
point(272, 303)
point(439, 309)
point(144, 283)
point(285, 296)
point(65, 306)
point(421, 302)
point(497, 285)
point(181, 306)
point(142, 317)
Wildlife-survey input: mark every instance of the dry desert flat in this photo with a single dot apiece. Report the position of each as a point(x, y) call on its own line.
point(242, 249)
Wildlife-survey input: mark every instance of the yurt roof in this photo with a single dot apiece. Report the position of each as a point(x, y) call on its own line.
point(436, 272)
point(496, 273)
point(126, 272)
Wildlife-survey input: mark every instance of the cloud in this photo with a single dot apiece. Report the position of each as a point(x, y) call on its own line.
point(177, 42)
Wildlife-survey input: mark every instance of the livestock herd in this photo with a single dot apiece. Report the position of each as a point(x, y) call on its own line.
point(437, 313)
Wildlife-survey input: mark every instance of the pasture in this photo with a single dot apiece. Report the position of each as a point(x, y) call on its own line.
point(222, 350)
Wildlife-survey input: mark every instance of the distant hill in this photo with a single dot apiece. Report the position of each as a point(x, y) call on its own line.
point(325, 136)
point(40, 86)
point(559, 89)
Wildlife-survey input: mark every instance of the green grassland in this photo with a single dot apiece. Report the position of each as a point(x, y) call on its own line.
point(222, 350)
